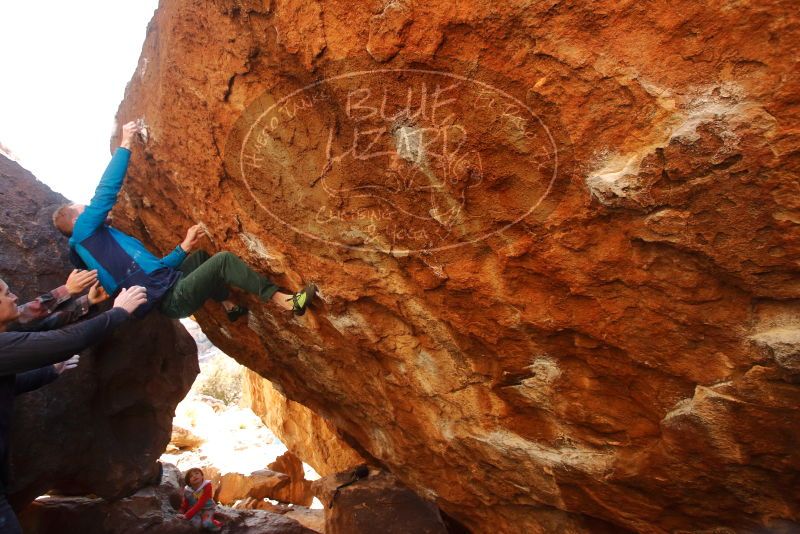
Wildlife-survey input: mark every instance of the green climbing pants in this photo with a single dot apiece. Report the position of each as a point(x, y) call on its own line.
point(207, 277)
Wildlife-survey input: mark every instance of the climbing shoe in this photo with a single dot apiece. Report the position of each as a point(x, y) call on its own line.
point(236, 312)
point(302, 299)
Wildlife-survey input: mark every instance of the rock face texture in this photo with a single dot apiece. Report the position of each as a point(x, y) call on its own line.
point(557, 243)
point(376, 503)
point(33, 256)
point(312, 438)
point(151, 509)
point(100, 427)
point(298, 491)
point(230, 487)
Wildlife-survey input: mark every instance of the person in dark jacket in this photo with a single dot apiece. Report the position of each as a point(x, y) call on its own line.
point(179, 283)
point(30, 360)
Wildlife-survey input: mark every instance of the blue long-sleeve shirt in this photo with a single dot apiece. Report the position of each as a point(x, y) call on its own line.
point(121, 260)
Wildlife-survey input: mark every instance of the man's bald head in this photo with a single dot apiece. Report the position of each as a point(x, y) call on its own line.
point(65, 216)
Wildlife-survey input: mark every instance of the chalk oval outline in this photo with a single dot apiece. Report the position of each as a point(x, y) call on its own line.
point(399, 252)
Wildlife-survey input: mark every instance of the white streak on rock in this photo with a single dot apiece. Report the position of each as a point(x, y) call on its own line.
point(255, 246)
point(615, 176)
point(538, 387)
point(582, 459)
point(784, 345)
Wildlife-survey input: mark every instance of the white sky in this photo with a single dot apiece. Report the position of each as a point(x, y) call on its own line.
point(63, 70)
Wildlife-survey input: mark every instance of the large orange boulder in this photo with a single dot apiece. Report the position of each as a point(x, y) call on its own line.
point(230, 487)
point(557, 244)
point(298, 491)
point(309, 436)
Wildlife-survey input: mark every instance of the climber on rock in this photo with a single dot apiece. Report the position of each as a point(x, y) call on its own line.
point(30, 360)
point(179, 283)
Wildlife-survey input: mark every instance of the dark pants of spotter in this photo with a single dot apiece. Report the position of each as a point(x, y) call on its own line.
point(207, 277)
point(8, 520)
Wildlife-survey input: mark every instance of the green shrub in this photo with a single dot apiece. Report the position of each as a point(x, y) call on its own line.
point(221, 378)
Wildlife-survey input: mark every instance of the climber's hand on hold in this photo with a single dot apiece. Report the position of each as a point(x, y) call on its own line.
point(128, 132)
point(193, 236)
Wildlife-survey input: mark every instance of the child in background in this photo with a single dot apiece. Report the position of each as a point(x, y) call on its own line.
point(198, 506)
